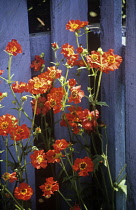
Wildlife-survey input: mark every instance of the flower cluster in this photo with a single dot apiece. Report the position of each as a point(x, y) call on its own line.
point(82, 125)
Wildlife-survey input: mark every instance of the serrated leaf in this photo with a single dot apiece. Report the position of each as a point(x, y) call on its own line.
point(102, 103)
point(123, 186)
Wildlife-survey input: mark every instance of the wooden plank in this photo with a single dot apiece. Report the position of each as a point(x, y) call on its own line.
point(112, 90)
point(14, 25)
point(61, 12)
point(130, 86)
point(41, 43)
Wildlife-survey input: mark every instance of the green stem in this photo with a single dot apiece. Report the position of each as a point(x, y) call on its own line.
point(98, 87)
point(20, 207)
point(64, 199)
point(9, 68)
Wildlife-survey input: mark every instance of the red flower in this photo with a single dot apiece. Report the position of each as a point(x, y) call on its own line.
point(79, 63)
point(71, 82)
point(39, 85)
point(54, 46)
point(23, 192)
point(88, 119)
point(7, 123)
point(10, 177)
point(53, 156)
point(60, 144)
point(110, 61)
point(94, 60)
point(19, 87)
point(3, 95)
point(76, 207)
point(84, 166)
point(74, 25)
point(41, 107)
point(76, 94)
point(54, 99)
point(68, 52)
point(1, 72)
point(13, 47)
point(38, 159)
point(54, 73)
point(38, 63)
point(71, 119)
point(80, 49)
point(49, 187)
point(20, 132)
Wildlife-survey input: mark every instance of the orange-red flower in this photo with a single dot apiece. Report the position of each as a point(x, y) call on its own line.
point(75, 207)
point(93, 60)
point(7, 123)
point(41, 107)
point(3, 95)
point(54, 46)
point(74, 25)
point(54, 99)
point(23, 192)
point(110, 61)
point(71, 82)
point(68, 52)
point(53, 156)
point(13, 47)
point(88, 119)
point(60, 144)
point(54, 73)
point(76, 94)
point(49, 187)
point(37, 63)
point(84, 166)
point(11, 177)
point(20, 132)
point(38, 159)
point(19, 87)
point(38, 85)
point(71, 119)
point(1, 72)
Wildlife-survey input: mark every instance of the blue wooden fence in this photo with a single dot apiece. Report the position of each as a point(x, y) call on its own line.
point(118, 88)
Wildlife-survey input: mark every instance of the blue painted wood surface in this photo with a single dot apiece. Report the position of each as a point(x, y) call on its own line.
point(41, 43)
point(61, 12)
point(14, 25)
point(112, 90)
point(130, 90)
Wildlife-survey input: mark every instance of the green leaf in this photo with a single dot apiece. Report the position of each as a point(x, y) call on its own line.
point(65, 179)
point(102, 103)
point(123, 186)
point(97, 160)
point(1, 151)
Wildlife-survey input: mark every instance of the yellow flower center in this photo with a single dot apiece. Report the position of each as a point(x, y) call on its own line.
point(39, 158)
point(74, 93)
point(23, 191)
point(94, 57)
point(48, 187)
point(6, 176)
point(14, 49)
point(111, 59)
point(73, 25)
point(4, 125)
point(82, 165)
point(37, 85)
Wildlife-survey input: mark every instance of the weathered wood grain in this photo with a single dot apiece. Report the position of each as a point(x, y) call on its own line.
point(61, 12)
point(14, 25)
point(112, 90)
point(130, 90)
